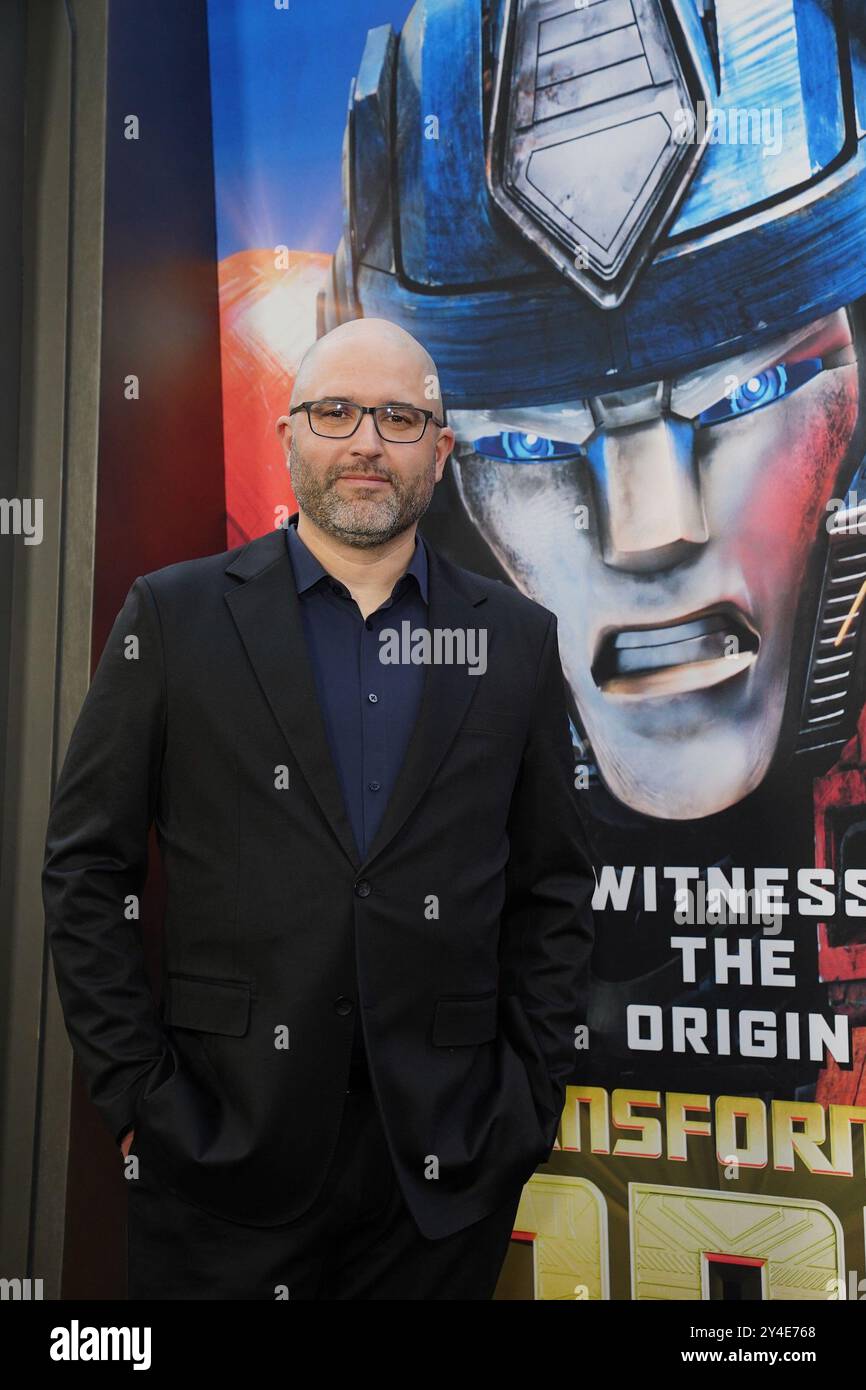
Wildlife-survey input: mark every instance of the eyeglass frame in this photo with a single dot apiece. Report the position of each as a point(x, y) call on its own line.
point(367, 410)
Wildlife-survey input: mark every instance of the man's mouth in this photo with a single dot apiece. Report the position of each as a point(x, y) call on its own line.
point(369, 479)
point(692, 653)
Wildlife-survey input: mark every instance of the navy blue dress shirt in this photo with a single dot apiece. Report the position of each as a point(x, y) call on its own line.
point(369, 708)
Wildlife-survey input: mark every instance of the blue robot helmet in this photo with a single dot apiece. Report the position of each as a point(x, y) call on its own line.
point(564, 199)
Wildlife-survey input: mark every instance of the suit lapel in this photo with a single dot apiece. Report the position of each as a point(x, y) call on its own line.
point(266, 610)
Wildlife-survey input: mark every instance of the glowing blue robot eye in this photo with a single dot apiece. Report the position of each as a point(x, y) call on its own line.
point(762, 389)
point(510, 446)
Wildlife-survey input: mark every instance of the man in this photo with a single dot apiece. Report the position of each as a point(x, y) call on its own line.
point(378, 920)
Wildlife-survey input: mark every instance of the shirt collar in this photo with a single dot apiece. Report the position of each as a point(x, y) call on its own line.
point(308, 570)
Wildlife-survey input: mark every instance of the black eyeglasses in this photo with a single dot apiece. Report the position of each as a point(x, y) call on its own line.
point(395, 423)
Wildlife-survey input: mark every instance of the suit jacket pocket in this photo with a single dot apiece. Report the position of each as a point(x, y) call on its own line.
point(462, 1019)
point(206, 1004)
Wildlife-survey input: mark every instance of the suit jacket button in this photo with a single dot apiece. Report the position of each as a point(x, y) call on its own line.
point(343, 1005)
point(362, 888)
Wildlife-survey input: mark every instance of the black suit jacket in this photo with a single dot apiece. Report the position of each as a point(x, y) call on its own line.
point(470, 915)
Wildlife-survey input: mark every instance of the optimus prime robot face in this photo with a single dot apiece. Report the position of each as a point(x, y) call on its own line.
point(668, 527)
point(648, 322)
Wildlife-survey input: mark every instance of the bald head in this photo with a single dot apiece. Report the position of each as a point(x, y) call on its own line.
point(364, 489)
point(375, 355)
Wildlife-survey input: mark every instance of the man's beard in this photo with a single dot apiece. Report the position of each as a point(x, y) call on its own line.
point(360, 521)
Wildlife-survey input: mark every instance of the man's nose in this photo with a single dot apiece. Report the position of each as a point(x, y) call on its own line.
point(366, 438)
point(646, 486)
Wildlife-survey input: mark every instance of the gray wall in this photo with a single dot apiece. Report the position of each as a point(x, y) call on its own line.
point(49, 388)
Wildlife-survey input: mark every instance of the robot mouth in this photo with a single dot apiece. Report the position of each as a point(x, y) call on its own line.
point(694, 653)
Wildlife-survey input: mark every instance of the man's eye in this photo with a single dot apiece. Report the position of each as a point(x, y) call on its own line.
point(511, 446)
point(762, 389)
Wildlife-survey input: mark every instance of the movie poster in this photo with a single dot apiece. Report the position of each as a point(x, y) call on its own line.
point(632, 234)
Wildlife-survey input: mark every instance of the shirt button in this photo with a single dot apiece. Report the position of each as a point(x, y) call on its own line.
point(374, 699)
point(343, 1005)
point(374, 786)
point(362, 888)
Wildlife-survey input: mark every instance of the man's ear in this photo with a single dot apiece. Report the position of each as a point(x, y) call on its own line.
point(444, 445)
point(283, 430)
